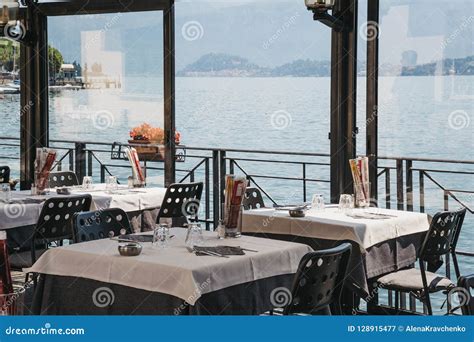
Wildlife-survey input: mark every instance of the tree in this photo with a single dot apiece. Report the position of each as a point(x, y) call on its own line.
point(55, 60)
point(8, 49)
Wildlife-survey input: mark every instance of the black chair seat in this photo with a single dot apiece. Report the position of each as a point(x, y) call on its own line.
point(411, 280)
point(21, 260)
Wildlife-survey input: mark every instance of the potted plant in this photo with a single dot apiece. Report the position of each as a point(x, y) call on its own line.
point(149, 141)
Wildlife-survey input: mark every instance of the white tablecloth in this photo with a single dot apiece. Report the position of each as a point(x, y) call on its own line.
point(174, 270)
point(332, 224)
point(24, 209)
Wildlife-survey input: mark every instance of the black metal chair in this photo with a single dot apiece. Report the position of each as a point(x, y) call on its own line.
point(440, 241)
point(100, 224)
point(4, 174)
point(63, 178)
point(465, 288)
point(253, 199)
point(54, 225)
point(318, 284)
point(181, 202)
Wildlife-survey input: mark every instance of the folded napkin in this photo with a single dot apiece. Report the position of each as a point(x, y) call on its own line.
point(223, 250)
point(137, 238)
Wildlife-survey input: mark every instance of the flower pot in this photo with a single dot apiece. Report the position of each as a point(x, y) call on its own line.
point(147, 151)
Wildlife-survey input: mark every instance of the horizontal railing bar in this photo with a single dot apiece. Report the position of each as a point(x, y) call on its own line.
point(463, 253)
point(277, 161)
point(290, 178)
point(445, 171)
point(430, 160)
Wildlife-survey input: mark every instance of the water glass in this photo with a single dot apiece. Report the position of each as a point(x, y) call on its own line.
point(318, 202)
point(194, 235)
point(111, 183)
point(6, 193)
point(161, 235)
point(346, 203)
point(87, 183)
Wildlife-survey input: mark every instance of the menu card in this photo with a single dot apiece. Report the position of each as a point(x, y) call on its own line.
point(235, 188)
point(360, 175)
point(137, 171)
point(44, 161)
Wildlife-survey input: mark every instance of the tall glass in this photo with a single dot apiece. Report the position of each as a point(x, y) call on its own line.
point(87, 183)
point(111, 184)
point(318, 202)
point(6, 193)
point(161, 235)
point(346, 203)
point(194, 235)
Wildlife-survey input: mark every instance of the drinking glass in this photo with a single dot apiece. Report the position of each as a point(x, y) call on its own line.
point(194, 235)
point(6, 193)
point(161, 235)
point(111, 183)
point(87, 183)
point(318, 202)
point(346, 203)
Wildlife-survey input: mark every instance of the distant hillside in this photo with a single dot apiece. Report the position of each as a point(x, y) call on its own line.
point(224, 65)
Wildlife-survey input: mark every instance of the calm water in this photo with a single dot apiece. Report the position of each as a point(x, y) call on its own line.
point(418, 117)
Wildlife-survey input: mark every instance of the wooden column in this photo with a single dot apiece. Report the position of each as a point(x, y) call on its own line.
point(169, 92)
point(343, 98)
point(34, 120)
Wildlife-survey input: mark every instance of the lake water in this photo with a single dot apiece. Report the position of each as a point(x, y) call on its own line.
point(418, 117)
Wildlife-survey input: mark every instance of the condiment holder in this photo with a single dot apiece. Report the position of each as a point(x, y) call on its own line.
point(130, 249)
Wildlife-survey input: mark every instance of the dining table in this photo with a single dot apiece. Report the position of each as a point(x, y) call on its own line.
point(384, 240)
point(23, 209)
point(93, 278)
point(19, 215)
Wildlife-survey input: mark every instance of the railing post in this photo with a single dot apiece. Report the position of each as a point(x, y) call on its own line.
point(206, 192)
point(409, 184)
point(71, 160)
point(80, 157)
point(304, 182)
point(102, 173)
point(388, 199)
point(215, 188)
point(422, 192)
point(400, 201)
point(223, 171)
point(89, 164)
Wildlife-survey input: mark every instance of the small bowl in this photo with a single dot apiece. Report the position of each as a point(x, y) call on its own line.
point(63, 191)
point(130, 249)
point(297, 212)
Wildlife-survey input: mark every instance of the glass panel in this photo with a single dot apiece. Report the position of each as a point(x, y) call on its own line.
point(10, 108)
point(106, 77)
point(255, 75)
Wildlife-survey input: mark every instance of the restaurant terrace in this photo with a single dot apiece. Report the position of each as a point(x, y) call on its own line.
point(80, 238)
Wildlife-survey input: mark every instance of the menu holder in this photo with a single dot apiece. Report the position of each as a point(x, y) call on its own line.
point(137, 172)
point(232, 212)
point(44, 161)
point(360, 175)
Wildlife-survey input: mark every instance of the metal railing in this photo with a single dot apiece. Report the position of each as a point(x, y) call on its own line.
point(403, 181)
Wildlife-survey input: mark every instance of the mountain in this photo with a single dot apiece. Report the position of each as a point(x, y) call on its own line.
point(269, 33)
point(223, 65)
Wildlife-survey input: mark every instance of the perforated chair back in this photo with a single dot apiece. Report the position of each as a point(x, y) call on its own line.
point(253, 199)
point(466, 283)
point(63, 178)
point(319, 281)
point(101, 224)
point(4, 174)
point(55, 220)
point(443, 234)
point(181, 200)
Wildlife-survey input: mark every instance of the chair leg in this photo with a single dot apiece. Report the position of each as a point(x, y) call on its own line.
point(426, 290)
